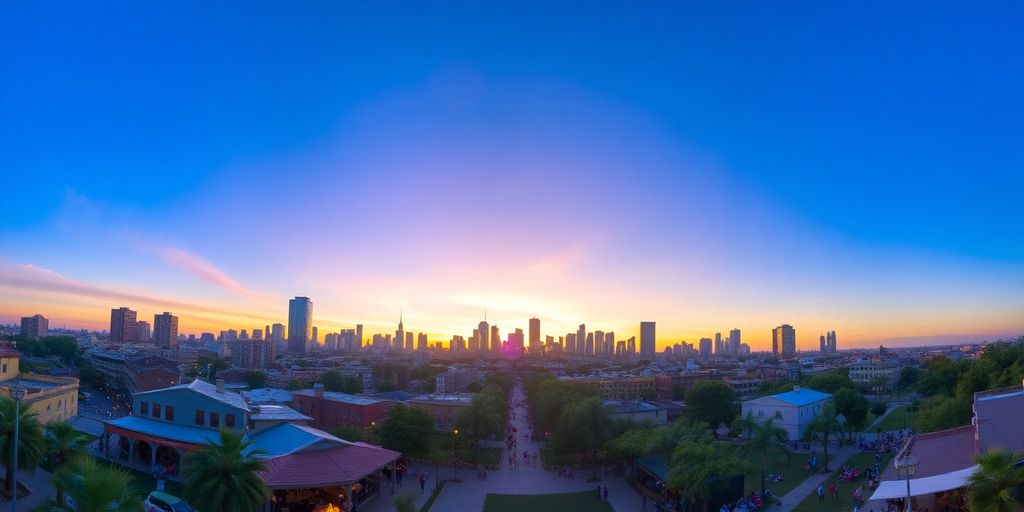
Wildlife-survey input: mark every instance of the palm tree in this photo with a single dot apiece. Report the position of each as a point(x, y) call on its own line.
point(765, 439)
point(824, 426)
point(998, 483)
point(63, 443)
point(92, 487)
point(223, 476)
point(30, 439)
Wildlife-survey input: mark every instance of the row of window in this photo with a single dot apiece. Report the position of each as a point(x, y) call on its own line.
point(166, 412)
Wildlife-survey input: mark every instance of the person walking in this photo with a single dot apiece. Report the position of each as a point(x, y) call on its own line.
point(821, 492)
point(423, 482)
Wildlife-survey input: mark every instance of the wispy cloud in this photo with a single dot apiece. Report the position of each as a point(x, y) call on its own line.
point(199, 267)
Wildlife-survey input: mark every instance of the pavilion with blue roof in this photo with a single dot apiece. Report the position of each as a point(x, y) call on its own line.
point(792, 410)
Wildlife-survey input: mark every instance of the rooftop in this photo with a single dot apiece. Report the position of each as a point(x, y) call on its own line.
point(342, 397)
point(801, 396)
point(273, 412)
point(264, 395)
point(210, 390)
point(460, 398)
point(165, 430)
point(288, 438)
point(337, 465)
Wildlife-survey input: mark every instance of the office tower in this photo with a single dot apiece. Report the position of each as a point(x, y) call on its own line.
point(549, 341)
point(734, 341)
point(589, 348)
point(266, 332)
point(474, 340)
point(400, 333)
point(495, 337)
point(409, 341)
point(831, 339)
point(718, 344)
point(143, 331)
point(228, 335)
point(647, 344)
point(316, 335)
point(421, 341)
point(784, 340)
point(631, 345)
point(609, 341)
point(277, 332)
point(581, 339)
point(257, 334)
point(244, 334)
point(822, 344)
point(35, 326)
point(122, 324)
point(535, 333)
point(516, 341)
point(359, 337)
point(705, 348)
point(570, 343)
point(599, 342)
point(300, 324)
point(483, 336)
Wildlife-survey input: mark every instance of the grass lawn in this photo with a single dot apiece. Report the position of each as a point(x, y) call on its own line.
point(845, 501)
point(897, 419)
point(586, 501)
point(553, 458)
point(792, 472)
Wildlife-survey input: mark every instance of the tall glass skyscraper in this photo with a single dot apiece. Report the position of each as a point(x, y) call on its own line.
point(647, 347)
point(300, 324)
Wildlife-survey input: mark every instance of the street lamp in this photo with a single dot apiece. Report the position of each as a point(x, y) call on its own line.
point(18, 394)
point(455, 455)
point(905, 468)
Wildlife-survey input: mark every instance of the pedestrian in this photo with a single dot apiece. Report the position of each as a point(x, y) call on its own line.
point(821, 492)
point(606, 494)
point(423, 482)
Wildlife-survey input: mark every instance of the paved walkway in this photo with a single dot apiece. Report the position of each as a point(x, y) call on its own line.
point(39, 483)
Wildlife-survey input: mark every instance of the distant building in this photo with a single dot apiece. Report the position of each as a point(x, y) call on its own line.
point(483, 336)
point(876, 372)
point(143, 333)
point(792, 410)
point(147, 373)
point(581, 339)
point(705, 348)
point(165, 330)
point(35, 326)
point(277, 332)
point(444, 408)
point(615, 387)
point(535, 334)
point(421, 341)
point(122, 325)
point(330, 409)
point(639, 411)
point(784, 340)
point(300, 324)
point(252, 354)
point(647, 344)
point(735, 342)
point(457, 381)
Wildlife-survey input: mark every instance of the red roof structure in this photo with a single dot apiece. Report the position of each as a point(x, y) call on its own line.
point(335, 466)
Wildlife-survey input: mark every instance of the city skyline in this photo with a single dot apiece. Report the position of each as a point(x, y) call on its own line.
point(628, 170)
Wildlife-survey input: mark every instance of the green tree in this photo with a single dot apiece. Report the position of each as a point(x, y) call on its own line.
point(664, 440)
point(481, 417)
point(224, 476)
point(408, 430)
point(30, 439)
point(332, 381)
point(998, 484)
point(630, 445)
point(405, 502)
point(63, 444)
point(255, 379)
point(590, 422)
point(879, 408)
point(766, 439)
point(830, 382)
point(824, 427)
point(385, 386)
point(712, 402)
point(852, 405)
point(699, 468)
point(93, 487)
point(908, 377)
point(941, 412)
point(347, 432)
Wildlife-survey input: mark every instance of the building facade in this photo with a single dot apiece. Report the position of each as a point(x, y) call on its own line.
point(35, 326)
point(122, 325)
point(300, 324)
point(792, 410)
point(784, 341)
point(647, 343)
point(165, 330)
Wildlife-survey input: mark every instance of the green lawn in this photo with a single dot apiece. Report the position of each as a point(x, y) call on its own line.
point(897, 419)
point(845, 501)
point(586, 501)
point(792, 472)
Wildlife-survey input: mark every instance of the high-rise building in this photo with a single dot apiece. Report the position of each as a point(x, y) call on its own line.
point(784, 340)
point(316, 336)
point(400, 333)
point(143, 332)
point(300, 324)
point(581, 339)
point(599, 342)
point(647, 344)
point(483, 340)
point(535, 333)
point(734, 341)
point(495, 339)
point(359, 337)
point(122, 324)
point(609, 341)
point(409, 340)
point(570, 343)
point(277, 332)
point(719, 349)
point(832, 342)
point(631, 345)
point(35, 326)
point(257, 334)
point(705, 348)
point(421, 341)
point(516, 341)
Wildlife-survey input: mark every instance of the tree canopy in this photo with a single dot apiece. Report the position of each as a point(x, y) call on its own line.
point(408, 430)
point(712, 402)
point(852, 405)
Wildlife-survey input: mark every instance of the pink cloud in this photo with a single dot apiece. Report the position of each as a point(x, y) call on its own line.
point(203, 269)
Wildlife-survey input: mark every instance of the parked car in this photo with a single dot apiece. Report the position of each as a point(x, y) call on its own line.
point(162, 502)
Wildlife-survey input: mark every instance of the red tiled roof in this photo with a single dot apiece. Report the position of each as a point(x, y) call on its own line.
point(7, 351)
point(339, 465)
point(943, 451)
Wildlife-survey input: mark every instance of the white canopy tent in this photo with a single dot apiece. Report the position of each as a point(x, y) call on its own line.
point(895, 489)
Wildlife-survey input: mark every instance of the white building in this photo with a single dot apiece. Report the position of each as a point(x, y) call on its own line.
point(792, 410)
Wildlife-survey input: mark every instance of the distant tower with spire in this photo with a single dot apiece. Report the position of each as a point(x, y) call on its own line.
point(400, 333)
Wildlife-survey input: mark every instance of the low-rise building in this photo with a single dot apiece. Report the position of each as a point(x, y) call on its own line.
point(50, 398)
point(444, 408)
point(872, 372)
point(792, 410)
point(616, 387)
point(147, 373)
point(328, 408)
point(639, 411)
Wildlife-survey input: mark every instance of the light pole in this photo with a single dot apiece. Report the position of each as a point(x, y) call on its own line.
point(455, 455)
point(17, 393)
point(905, 468)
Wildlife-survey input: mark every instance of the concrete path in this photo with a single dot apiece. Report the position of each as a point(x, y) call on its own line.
point(39, 483)
point(800, 492)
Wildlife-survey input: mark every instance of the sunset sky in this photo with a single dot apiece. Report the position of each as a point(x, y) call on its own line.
point(846, 166)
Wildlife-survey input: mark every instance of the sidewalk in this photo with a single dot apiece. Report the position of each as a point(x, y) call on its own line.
point(793, 498)
point(39, 482)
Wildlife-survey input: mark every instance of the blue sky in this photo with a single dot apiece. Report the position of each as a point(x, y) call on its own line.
point(692, 159)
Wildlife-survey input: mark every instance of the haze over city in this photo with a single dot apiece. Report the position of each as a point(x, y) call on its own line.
point(440, 165)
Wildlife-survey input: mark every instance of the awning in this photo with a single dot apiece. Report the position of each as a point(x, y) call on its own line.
point(895, 489)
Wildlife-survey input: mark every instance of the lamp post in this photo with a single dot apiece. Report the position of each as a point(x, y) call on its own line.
point(17, 393)
point(455, 455)
point(905, 468)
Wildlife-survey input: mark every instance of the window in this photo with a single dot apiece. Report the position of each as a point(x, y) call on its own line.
point(215, 420)
point(169, 413)
point(229, 420)
point(200, 418)
point(143, 408)
point(5, 367)
point(156, 410)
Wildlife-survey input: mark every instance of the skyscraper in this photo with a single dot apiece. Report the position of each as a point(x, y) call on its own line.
point(784, 340)
point(316, 336)
point(535, 334)
point(734, 341)
point(421, 341)
point(400, 333)
point(277, 332)
point(142, 331)
point(719, 349)
point(581, 339)
point(409, 341)
point(122, 324)
point(647, 345)
point(300, 324)
point(35, 326)
point(822, 344)
point(570, 343)
point(359, 337)
point(705, 348)
point(589, 348)
point(483, 336)
point(495, 339)
point(516, 341)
